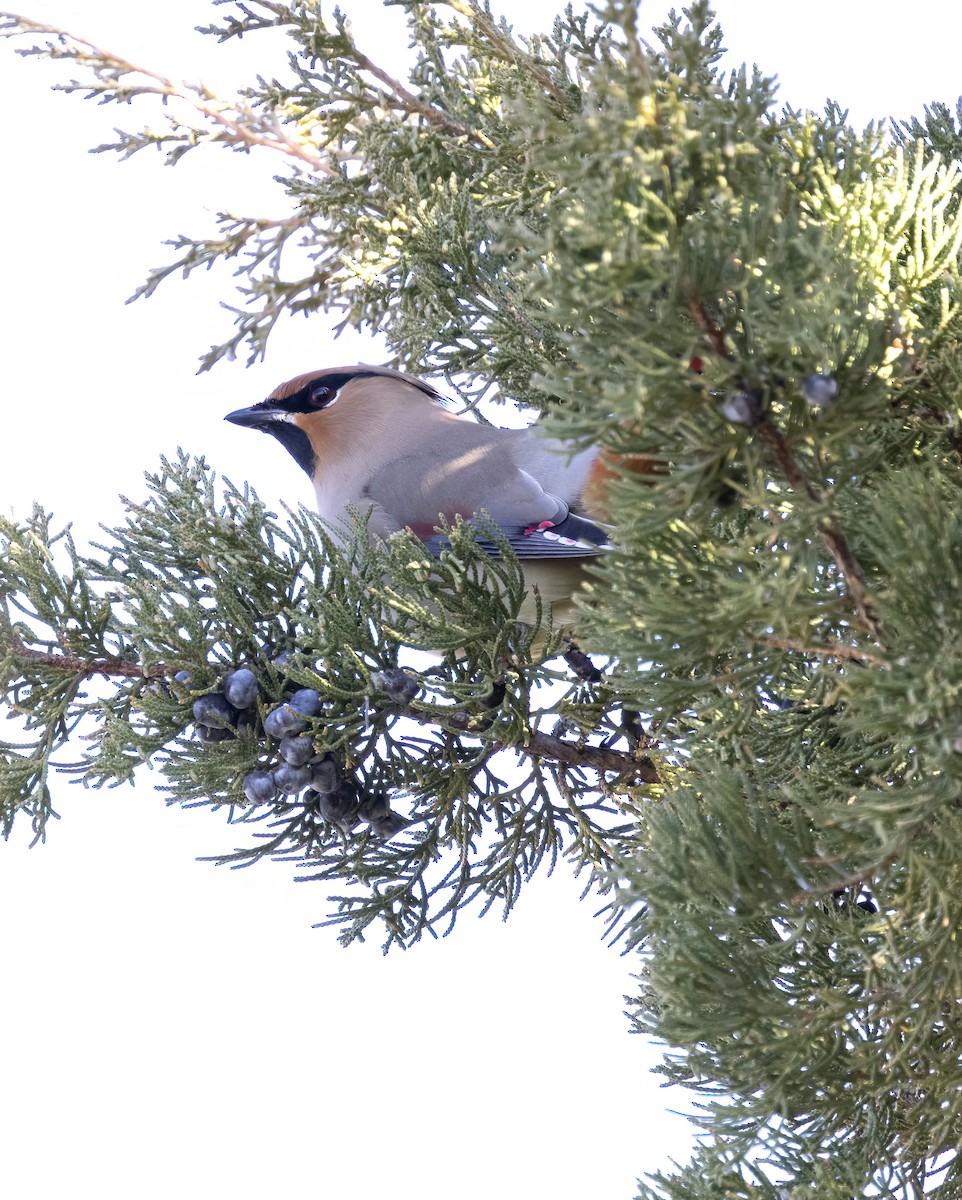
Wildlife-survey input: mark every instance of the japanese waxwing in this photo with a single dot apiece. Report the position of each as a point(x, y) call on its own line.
point(381, 440)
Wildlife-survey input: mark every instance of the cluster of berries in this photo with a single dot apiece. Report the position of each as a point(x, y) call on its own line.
point(295, 768)
point(747, 406)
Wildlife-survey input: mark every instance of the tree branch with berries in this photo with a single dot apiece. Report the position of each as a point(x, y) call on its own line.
point(283, 697)
point(754, 748)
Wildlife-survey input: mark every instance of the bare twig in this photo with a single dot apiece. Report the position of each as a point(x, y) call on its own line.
point(834, 651)
point(831, 533)
point(828, 527)
point(544, 745)
point(509, 51)
point(816, 890)
point(540, 745)
point(71, 664)
point(166, 87)
point(537, 745)
point(714, 335)
point(411, 104)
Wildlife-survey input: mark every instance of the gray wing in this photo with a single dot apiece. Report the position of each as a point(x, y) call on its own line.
point(459, 470)
point(465, 470)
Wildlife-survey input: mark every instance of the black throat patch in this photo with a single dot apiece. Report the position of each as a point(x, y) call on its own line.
point(295, 441)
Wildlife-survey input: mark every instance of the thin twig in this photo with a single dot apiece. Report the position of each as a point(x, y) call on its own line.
point(71, 664)
point(167, 87)
point(832, 535)
point(411, 104)
point(544, 745)
point(847, 881)
point(714, 335)
point(537, 745)
point(834, 651)
point(510, 51)
point(828, 527)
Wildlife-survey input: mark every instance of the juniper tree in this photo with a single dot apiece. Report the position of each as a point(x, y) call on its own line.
point(757, 313)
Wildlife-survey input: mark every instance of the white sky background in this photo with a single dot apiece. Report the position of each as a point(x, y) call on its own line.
point(176, 1029)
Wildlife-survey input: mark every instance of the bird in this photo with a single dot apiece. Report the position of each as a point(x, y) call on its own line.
point(375, 439)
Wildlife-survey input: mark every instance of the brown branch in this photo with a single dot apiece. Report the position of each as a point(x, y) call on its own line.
point(72, 665)
point(539, 745)
point(835, 651)
point(544, 745)
point(784, 460)
point(832, 535)
point(166, 87)
point(509, 51)
point(714, 336)
point(828, 527)
point(411, 104)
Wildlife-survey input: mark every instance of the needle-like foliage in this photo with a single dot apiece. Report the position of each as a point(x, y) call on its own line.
point(201, 582)
point(756, 314)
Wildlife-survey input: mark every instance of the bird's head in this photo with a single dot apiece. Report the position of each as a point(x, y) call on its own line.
point(321, 413)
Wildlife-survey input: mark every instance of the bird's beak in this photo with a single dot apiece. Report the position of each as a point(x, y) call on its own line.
point(258, 416)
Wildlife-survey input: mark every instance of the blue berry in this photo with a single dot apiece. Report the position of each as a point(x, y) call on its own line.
point(247, 722)
point(296, 750)
point(742, 408)
point(340, 806)
point(398, 684)
point(284, 722)
point(819, 391)
point(388, 827)
point(375, 807)
point(214, 710)
point(240, 688)
point(325, 776)
point(306, 701)
point(259, 787)
point(290, 779)
point(210, 733)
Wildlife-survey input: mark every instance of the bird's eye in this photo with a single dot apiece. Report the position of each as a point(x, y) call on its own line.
point(321, 395)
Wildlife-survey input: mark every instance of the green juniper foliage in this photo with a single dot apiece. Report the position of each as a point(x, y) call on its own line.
point(756, 312)
point(201, 582)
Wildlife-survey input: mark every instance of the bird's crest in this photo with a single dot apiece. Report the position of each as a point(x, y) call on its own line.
point(337, 377)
